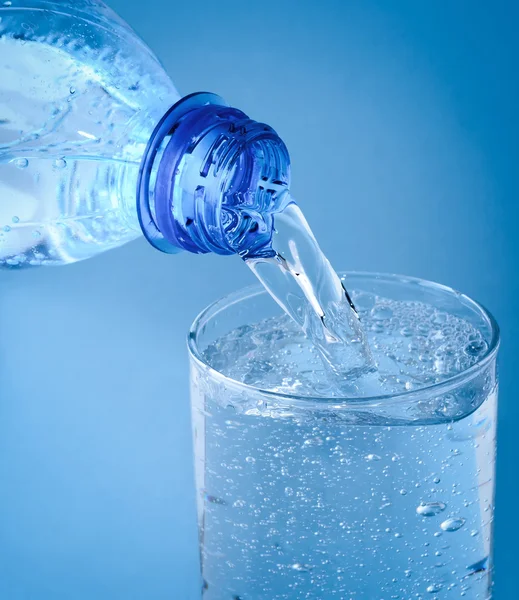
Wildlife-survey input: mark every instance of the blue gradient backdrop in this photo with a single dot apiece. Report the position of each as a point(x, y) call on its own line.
point(401, 118)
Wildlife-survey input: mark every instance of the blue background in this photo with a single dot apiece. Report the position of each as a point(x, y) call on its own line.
point(401, 118)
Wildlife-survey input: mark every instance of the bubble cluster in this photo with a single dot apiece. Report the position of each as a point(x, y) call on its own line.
point(414, 345)
point(311, 500)
point(320, 507)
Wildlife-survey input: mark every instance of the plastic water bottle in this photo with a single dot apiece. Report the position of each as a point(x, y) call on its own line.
point(97, 147)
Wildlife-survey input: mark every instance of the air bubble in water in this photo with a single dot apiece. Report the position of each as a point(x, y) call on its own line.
point(381, 312)
point(430, 509)
point(21, 163)
point(72, 90)
point(15, 219)
point(479, 566)
point(60, 163)
point(214, 499)
point(6, 228)
point(452, 524)
point(250, 459)
point(301, 568)
point(315, 441)
point(372, 457)
point(439, 318)
point(364, 301)
point(434, 587)
point(8, 3)
point(475, 348)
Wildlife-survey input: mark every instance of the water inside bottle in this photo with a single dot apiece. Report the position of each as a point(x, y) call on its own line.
point(72, 134)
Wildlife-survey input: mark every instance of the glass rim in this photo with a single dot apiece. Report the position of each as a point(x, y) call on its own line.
point(248, 292)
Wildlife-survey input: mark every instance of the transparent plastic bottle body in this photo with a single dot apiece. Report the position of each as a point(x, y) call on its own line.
point(80, 95)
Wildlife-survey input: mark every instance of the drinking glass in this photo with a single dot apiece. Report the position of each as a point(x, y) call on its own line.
point(372, 498)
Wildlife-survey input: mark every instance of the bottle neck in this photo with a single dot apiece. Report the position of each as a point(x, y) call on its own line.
point(211, 180)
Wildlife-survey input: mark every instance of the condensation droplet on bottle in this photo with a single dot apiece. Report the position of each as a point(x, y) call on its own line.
point(452, 525)
point(434, 587)
point(8, 3)
point(6, 228)
point(72, 90)
point(15, 219)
